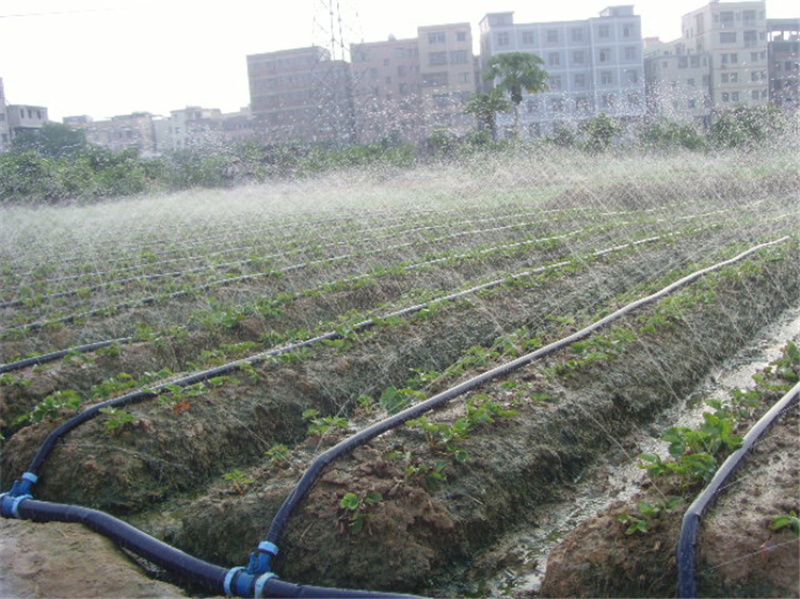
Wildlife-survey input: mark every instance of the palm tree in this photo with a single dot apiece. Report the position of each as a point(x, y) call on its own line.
point(485, 107)
point(517, 72)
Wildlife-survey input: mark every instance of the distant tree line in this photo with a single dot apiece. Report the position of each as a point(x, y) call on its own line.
point(56, 164)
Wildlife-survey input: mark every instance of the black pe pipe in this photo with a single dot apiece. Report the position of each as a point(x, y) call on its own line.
point(687, 544)
point(318, 465)
point(186, 568)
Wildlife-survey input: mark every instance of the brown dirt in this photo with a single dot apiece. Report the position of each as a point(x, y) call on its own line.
point(42, 561)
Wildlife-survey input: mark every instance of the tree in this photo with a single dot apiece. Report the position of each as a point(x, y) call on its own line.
point(517, 72)
point(53, 139)
point(600, 131)
point(485, 107)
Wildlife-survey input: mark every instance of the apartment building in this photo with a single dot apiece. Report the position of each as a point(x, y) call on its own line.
point(449, 77)
point(677, 84)
point(123, 132)
point(387, 90)
point(594, 66)
point(192, 126)
point(5, 135)
point(734, 35)
point(783, 56)
point(301, 94)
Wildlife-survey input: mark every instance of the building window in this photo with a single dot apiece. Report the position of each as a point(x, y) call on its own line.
point(683, 62)
point(401, 70)
point(578, 57)
point(458, 57)
point(727, 37)
point(753, 56)
point(754, 94)
point(554, 83)
point(691, 82)
point(502, 38)
point(726, 97)
point(557, 104)
point(436, 37)
point(607, 100)
point(750, 39)
point(461, 36)
point(605, 54)
point(606, 77)
point(691, 104)
point(576, 34)
point(695, 62)
point(632, 76)
point(634, 99)
point(528, 38)
point(552, 36)
point(734, 96)
point(463, 77)
point(628, 30)
point(437, 58)
point(580, 80)
point(553, 59)
point(603, 31)
point(630, 53)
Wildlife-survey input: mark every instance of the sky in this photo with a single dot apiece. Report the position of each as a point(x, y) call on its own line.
point(111, 57)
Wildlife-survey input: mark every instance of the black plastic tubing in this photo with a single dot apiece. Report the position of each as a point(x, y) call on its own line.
point(687, 563)
point(318, 465)
point(187, 569)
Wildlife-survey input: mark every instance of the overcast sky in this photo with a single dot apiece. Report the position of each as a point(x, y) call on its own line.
point(110, 57)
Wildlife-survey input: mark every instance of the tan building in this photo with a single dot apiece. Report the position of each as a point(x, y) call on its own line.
point(734, 35)
point(783, 53)
point(448, 77)
point(387, 90)
point(301, 94)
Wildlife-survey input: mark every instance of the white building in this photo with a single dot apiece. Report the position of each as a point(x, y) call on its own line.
point(594, 66)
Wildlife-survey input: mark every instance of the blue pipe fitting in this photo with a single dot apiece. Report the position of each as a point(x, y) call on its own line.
point(250, 581)
point(20, 491)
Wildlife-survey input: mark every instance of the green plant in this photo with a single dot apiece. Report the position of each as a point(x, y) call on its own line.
point(647, 515)
point(356, 509)
point(117, 419)
point(51, 407)
point(279, 455)
point(240, 480)
point(792, 522)
point(320, 426)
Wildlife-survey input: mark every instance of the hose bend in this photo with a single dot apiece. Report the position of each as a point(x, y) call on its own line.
point(687, 565)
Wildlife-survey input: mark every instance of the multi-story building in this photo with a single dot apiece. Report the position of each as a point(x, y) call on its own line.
point(5, 135)
point(387, 90)
point(448, 74)
point(130, 131)
point(734, 35)
point(301, 94)
point(594, 66)
point(783, 55)
point(23, 117)
point(192, 126)
point(677, 84)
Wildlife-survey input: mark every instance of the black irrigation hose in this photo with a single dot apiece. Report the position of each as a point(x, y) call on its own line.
point(318, 465)
point(687, 563)
point(50, 357)
point(187, 569)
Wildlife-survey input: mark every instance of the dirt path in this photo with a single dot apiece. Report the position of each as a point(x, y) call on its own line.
point(68, 560)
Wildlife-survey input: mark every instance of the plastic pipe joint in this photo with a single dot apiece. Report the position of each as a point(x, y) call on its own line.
point(250, 581)
point(20, 491)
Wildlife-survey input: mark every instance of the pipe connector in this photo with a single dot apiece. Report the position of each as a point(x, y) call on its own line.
point(250, 581)
point(20, 491)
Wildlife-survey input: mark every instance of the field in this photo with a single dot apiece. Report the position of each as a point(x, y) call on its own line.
point(252, 329)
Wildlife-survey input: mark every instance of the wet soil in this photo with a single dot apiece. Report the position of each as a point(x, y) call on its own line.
point(443, 523)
